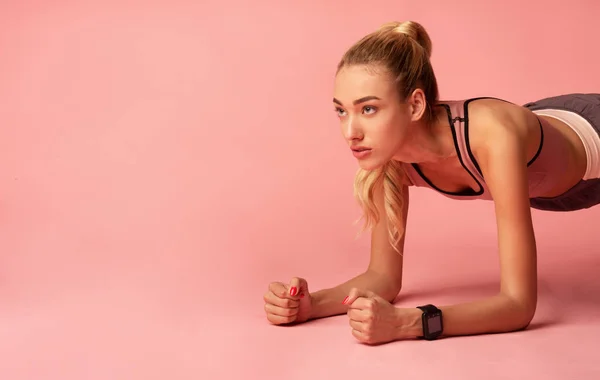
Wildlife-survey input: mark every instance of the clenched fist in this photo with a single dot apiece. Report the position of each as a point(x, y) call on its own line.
point(288, 303)
point(374, 320)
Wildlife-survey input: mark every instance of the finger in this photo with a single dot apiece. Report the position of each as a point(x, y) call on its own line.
point(358, 326)
point(279, 320)
point(356, 293)
point(358, 315)
point(362, 303)
point(280, 311)
point(273, 299)
point(297, 285)
point(360, 336)
point(280, 290)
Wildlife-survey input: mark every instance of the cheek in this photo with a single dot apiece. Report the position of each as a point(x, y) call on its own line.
point(396, 127)
point(390, 132)
point(391, 137)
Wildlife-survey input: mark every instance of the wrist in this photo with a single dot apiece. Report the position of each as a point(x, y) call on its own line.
point(410, 324)
point(312, 309)
point(324, 303)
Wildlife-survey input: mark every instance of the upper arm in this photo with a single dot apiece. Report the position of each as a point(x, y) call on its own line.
point(385, 260)
point(503, 161)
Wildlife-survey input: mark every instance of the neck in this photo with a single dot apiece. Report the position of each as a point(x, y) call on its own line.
point(429, 143)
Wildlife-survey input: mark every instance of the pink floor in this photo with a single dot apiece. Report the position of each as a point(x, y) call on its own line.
point(75, 308)
point(155, 177)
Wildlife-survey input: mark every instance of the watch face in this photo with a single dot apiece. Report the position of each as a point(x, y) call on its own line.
point(434, 324)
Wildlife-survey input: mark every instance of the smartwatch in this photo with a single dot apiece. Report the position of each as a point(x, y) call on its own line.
point(432, 322)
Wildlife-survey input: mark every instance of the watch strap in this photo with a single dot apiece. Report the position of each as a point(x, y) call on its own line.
point(429, 308)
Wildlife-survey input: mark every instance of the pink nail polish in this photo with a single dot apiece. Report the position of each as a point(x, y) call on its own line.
point(293, 291)
point(301, 295)
point(345, 299)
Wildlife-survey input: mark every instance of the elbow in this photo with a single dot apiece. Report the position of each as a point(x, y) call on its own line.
point(527, 317)
point(519, 311)
point(523, 320)
point(523, 315)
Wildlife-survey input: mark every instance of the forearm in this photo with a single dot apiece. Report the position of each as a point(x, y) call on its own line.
point(328, 302)
point(496, 314)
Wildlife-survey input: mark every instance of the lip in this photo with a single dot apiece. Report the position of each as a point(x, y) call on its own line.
point(360, 152)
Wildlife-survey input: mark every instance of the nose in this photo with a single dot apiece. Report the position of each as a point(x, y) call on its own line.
point(352, 130)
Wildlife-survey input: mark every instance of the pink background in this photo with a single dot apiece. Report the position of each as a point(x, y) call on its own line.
point(156, 174)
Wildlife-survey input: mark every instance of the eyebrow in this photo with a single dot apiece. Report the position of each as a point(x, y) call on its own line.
point(358, 101)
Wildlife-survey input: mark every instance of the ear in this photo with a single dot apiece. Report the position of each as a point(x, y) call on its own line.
point(418, 104)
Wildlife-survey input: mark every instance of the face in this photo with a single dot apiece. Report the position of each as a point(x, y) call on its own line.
point(374, 121)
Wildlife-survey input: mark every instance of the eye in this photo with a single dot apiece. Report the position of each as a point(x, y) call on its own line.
point(367, 108)
point(339, 111)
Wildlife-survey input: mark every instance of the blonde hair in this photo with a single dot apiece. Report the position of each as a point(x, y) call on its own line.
point(403, 49)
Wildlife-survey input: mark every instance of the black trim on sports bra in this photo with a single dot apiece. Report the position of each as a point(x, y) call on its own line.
point(535, 156)
point(469, 191)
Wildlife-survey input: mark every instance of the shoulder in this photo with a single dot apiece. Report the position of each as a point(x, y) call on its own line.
point(494, 122)
point(499, 133)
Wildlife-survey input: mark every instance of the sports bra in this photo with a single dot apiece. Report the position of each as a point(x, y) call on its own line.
point(543, 169)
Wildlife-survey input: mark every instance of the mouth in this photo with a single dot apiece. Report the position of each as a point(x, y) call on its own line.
point(361, 152)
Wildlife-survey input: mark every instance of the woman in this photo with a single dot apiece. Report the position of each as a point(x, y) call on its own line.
point(544, 155)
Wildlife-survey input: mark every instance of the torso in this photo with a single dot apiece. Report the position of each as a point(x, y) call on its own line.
point(452, 177)
point(577, 160)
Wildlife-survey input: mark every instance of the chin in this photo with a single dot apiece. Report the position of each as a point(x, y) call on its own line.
point(370, 164)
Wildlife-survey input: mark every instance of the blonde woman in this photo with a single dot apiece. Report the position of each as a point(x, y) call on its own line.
point(544, 154)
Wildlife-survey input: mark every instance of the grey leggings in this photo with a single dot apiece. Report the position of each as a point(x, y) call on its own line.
point(586, 193)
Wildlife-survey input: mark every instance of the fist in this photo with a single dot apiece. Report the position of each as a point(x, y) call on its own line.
point(372, 319)
point(288, 303)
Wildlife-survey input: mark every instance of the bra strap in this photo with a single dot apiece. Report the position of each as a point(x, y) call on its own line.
point(460, 124)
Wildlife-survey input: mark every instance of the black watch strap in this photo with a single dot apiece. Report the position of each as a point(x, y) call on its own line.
point(430, 311)
point(429, 308)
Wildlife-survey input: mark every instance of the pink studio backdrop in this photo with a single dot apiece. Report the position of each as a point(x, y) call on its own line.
point(161, 162)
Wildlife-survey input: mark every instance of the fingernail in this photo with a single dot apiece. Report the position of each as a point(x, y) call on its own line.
point(345, 299)
point(293, 291)
point(301, 295)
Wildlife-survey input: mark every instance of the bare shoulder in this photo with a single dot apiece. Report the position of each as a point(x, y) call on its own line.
point(493, 119)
